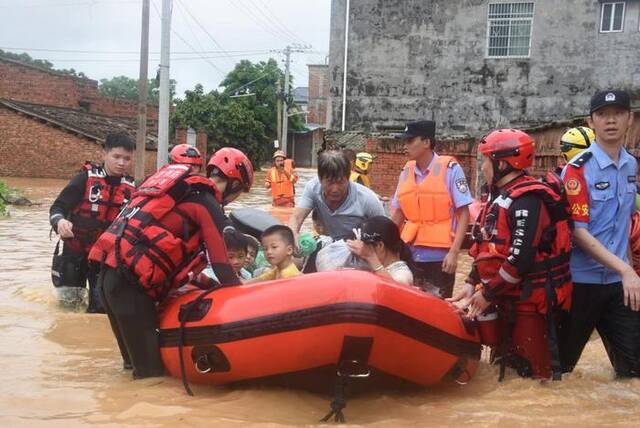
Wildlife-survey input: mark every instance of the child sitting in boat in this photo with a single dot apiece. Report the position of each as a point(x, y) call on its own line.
point(278, 244)
point(237, 244)
point(381, 247)
point(252, 251)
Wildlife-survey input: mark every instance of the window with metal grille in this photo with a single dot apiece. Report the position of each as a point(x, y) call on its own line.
point(509, 30)
point(612, 17)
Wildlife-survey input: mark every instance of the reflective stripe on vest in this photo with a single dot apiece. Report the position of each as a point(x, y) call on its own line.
point(427, 206)
point(100, 204)
point(550, 268)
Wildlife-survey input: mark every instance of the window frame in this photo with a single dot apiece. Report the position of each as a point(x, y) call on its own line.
point(613, 9)
point(488, 38)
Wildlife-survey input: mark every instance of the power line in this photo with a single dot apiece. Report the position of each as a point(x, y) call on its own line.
point(279, 22)
point(77, 3)
point(200, 57)
point(215, 67)
point(123, 52)
point(215, 42)
point(238, 5)
point(190, 27)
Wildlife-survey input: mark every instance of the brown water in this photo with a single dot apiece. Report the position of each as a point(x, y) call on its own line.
point(62, 368)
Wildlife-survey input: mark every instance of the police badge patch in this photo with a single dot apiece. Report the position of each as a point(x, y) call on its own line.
point(602, 185)
point(572, 187)
point(461, 185)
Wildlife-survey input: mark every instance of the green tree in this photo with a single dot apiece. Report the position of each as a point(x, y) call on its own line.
point(227, 122)
point(127, 88)
point(247, 122)
point(261, 79)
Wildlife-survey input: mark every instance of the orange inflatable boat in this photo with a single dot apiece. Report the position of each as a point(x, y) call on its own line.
point(349, 320)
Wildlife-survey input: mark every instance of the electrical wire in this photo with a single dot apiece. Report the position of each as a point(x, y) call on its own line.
point(215, 42)
point(215, 67)
point(276, 22)
point(239, 6)
point(107, 52)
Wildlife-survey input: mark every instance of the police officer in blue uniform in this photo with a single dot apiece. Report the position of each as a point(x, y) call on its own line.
point(601, 188)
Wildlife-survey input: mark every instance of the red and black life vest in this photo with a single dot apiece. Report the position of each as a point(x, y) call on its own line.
point(141, 246)
point(100, 204)
point(551, 264)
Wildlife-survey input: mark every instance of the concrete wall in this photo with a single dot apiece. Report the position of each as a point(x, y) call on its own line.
point(412, 59)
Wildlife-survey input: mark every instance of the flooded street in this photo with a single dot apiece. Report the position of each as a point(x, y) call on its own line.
point(61, 368)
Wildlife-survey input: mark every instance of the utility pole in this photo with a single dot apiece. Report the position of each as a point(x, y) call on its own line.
point(279, 112)
point(141, 135)
point(165, 95)
point(285, 106)
point(285, 92)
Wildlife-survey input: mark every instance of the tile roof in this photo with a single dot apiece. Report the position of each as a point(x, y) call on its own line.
point(90, 125)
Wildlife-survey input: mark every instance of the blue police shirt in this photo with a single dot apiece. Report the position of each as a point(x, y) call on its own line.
point(602, 199)
point(460, 195)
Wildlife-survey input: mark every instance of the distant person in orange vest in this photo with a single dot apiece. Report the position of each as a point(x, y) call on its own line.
point(281, 179)
point(432, 209)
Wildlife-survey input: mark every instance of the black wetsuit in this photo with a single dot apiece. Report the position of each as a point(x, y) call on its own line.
point(79, 270)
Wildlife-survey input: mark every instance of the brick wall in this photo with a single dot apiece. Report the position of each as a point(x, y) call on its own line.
point(30, 84)
point(201, 140)
point(318, 93)
point(32, 148)
point(390, 159)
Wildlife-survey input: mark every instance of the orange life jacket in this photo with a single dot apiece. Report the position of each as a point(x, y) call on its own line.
point(141, 247)
point(551, 262)
point(427, 206)
point(281, 186)
point(100, 204)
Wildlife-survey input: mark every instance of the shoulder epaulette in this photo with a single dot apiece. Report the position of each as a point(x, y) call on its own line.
point(452, 163)
point(581, 160)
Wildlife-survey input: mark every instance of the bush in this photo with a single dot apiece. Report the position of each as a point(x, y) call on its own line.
point(4, 193)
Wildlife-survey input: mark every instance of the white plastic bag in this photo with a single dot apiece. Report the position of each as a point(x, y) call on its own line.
point(337, 256)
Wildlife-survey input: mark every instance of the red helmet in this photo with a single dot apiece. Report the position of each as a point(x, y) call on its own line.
point(232, 163)
point(186, 155)
point(509, 145)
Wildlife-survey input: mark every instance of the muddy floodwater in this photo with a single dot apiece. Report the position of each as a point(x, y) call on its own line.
point(61, 368)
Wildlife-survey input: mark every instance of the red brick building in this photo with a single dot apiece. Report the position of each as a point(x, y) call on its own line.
point(318, 94)
point(50, 122)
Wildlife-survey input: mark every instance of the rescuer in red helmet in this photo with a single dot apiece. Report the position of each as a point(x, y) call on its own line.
point(521, 256)
point(158, 242)
point(186, 155)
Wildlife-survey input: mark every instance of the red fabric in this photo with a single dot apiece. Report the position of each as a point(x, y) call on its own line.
point(577, 193)
point(159, 236)
point(100, 204)
point(493, 247)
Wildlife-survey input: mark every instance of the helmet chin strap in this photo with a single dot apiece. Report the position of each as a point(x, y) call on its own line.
point(497, 173)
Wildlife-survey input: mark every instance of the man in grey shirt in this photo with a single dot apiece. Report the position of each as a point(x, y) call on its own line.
point(341, 204)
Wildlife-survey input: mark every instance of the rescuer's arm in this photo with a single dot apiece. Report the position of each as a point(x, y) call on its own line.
point(205, 211)
point(297, 218)
point(66, 201)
